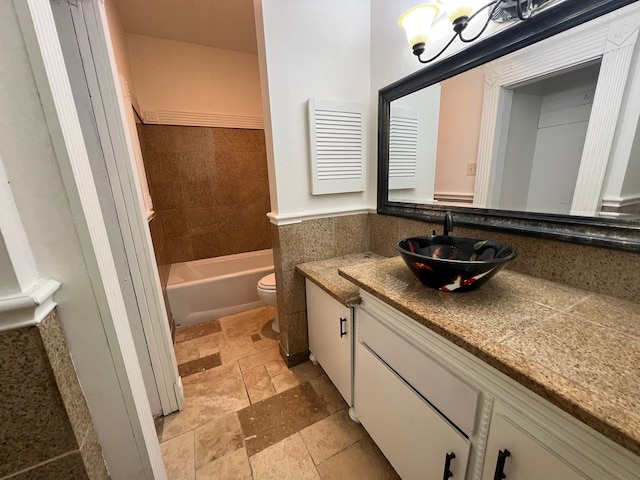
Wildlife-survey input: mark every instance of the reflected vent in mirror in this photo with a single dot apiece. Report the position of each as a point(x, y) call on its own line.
point(337, 142)
point(403, 147)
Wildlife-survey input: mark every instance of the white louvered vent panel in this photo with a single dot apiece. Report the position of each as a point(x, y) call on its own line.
point(337, 146)
point(403, 147)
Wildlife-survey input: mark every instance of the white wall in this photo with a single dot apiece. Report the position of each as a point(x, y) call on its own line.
point(32, 168)
point(318, 50)
point(184, 77)
point(120, 49)
point(427, 103)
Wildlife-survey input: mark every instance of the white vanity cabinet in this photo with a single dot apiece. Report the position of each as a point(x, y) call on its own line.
point(422, 398)
point(330, 328)
point(514, 454)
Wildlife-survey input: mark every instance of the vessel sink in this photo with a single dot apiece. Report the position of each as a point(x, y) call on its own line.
point(452, 263)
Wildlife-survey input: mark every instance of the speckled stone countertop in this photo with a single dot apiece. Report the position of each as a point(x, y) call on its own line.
point(324, 273)
point(577, 349)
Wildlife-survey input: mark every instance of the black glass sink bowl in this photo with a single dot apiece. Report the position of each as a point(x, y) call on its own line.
point(451, 263)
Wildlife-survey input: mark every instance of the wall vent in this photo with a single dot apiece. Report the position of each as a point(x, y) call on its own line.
point(337, 140)
point(403, 147)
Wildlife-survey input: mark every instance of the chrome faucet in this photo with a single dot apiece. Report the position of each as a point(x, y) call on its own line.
point(448, 223)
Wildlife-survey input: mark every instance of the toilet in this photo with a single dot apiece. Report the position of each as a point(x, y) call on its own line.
point(267, 292)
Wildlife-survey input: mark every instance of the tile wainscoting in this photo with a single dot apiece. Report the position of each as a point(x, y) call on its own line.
point(46, 431)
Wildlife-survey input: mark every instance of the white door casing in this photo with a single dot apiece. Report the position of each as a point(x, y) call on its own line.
point(612, 40)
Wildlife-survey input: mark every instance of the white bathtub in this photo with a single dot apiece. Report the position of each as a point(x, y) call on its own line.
point(201, 290)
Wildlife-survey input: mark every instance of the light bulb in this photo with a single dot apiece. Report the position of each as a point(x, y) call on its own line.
point(417, 22)
point(458, 9)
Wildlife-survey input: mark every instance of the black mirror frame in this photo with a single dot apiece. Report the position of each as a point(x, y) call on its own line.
point(607, 233)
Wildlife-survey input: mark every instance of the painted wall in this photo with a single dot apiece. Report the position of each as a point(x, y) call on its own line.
point(120, 49)
point(32, 168)
point(183, 77)
point(309, 49)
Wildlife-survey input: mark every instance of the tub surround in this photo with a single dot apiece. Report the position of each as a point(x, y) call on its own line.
point(324, 273)
point(209, 187)
point(577, 349)
point(47, 431)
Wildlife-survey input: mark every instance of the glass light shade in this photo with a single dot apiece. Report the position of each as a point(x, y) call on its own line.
point(417, 22)
point(457, 9)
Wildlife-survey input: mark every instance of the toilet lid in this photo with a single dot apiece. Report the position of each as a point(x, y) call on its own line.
point(268, 282)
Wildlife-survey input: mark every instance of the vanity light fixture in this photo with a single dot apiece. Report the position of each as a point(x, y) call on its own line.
point(418, 21)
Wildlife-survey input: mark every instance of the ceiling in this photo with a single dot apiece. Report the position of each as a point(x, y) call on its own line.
point(226, 24)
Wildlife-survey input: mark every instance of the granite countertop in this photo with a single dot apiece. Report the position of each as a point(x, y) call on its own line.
point(324, 273)
point(577, 349)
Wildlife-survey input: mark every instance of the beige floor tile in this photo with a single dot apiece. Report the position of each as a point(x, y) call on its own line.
point(362, 460)
point(217, 438)
point(331, 435)
point(209, 344)
point(178, 457)
point(186, 351)
point(286, 460)
point(328, 393)
point(276, 367)
point(285, 381)
point(246, 323)
point(258, 383)
point(233, 466)
point(259, 358)
point(236, 348)
point(266, 344)
point(208, 395)
point(307, 371)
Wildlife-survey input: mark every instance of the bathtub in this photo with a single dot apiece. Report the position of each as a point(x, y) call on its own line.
point(201, 290)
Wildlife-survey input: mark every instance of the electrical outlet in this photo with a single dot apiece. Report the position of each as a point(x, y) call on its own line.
point(471, 169)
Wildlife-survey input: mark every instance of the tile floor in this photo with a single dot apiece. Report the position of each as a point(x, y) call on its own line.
point(247, 416)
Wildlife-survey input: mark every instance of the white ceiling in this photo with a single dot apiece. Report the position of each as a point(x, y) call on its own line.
point(226, 24)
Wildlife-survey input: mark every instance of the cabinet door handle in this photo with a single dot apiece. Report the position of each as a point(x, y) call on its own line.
point(447, 466)
point(502, 458)
point(342, 322)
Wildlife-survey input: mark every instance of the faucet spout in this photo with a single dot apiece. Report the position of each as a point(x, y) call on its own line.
point(448, 223)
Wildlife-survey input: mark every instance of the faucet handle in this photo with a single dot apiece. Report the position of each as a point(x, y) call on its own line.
point(448, 223)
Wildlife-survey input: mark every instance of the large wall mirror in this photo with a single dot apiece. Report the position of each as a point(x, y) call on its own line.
point(535, 130)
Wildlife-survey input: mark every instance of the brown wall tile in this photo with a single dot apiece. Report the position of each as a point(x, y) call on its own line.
point(45, 420)
point(210, 189)
point(35, 426)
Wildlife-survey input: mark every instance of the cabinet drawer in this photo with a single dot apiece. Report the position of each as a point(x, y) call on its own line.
point(411, 434)
point(457, 400)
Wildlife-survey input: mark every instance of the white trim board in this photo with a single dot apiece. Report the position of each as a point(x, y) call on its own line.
point(298, 217)
point(202, 119)
point(47, 62)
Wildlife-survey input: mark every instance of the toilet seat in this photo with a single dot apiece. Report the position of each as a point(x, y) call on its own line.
point(268, 282)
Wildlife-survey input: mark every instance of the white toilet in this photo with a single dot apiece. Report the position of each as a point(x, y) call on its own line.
point(267, 292)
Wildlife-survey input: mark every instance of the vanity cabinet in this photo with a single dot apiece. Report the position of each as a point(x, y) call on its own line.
point(330, 328)
point(514, 454)
point(422, 398)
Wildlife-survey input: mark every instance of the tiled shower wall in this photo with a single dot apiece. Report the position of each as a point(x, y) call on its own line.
point(608, 272)
point(210, 190)
point(46, 431)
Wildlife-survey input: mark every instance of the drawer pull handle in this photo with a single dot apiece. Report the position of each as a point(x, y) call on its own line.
point(342, 322)
point(447, 466)
point(502, 458)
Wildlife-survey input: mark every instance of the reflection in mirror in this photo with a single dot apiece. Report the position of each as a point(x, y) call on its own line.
point(524, 133)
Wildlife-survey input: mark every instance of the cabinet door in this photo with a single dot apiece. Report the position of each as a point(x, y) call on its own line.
point(330, 326)
point(414, 438)
point(518, 456)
